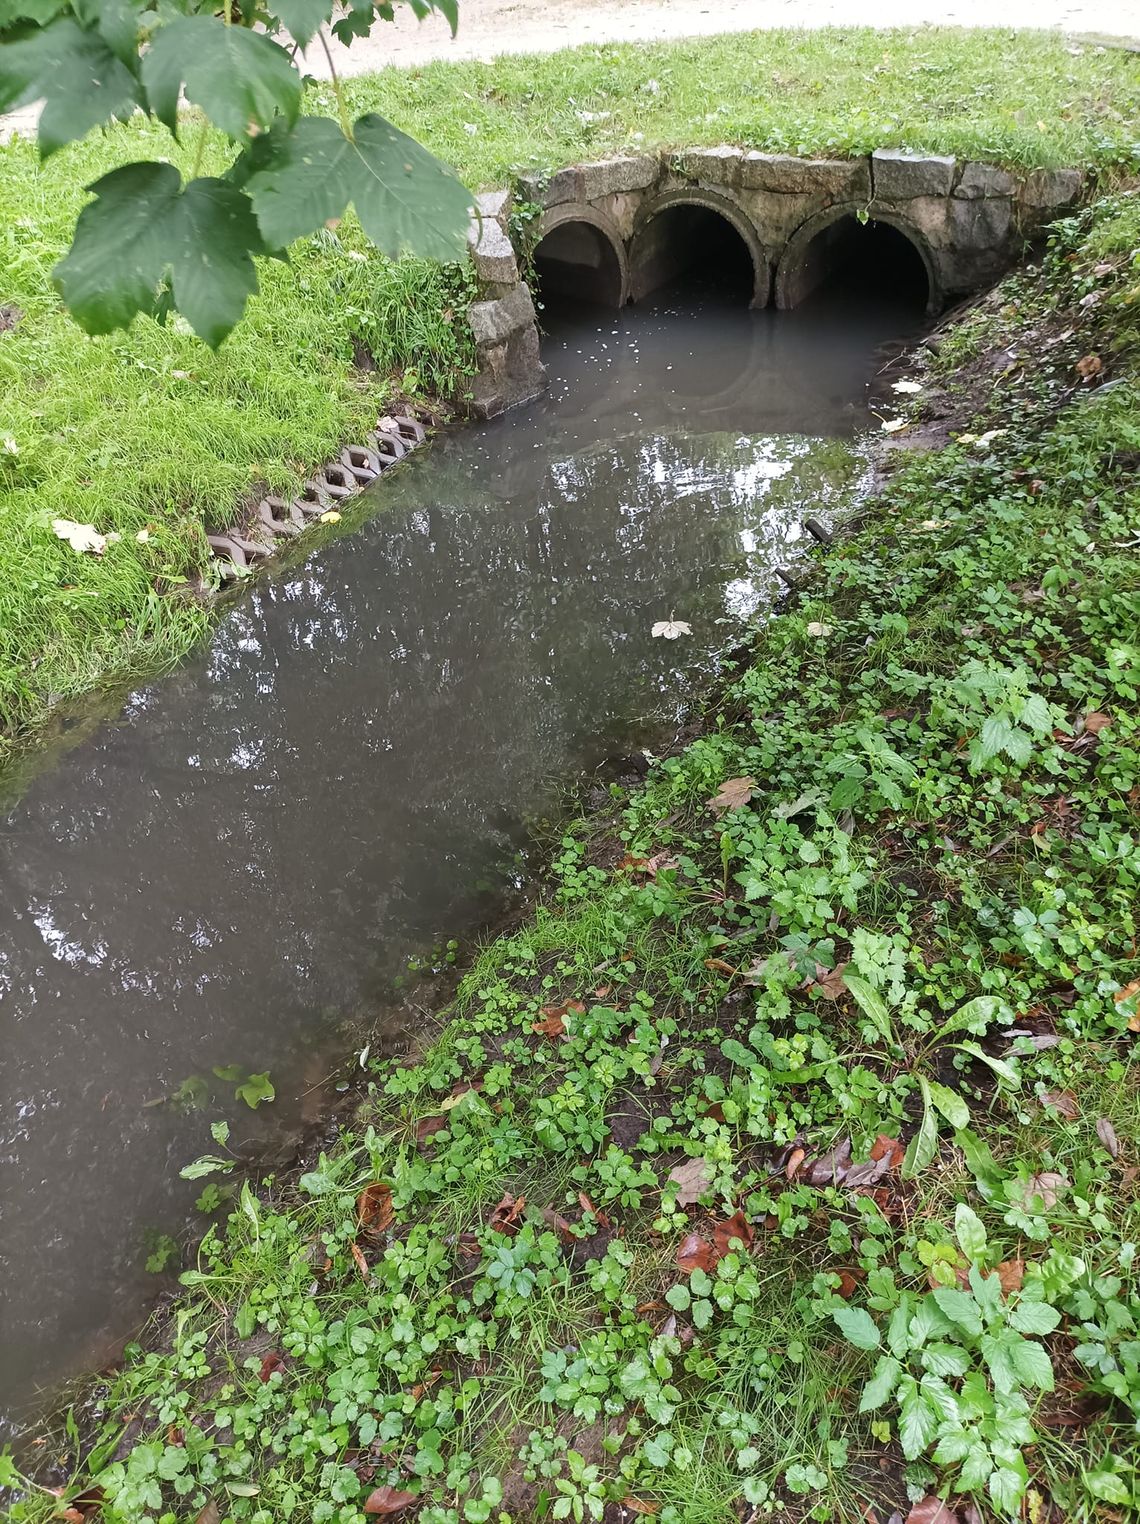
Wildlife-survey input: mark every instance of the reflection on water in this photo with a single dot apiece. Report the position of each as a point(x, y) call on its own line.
point(241, 859)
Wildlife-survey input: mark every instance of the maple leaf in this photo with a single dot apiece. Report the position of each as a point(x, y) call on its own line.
point(890, 1149)
point(553, 1023)
point(828, 981)
point(696, 1253)
point(733, 794)
point(1064, 1102)
point(692, 1178)
point(388, 1500)
point(374, 1211)
point(671, 629)
point(735, 1227)
point(931, 1510)
point(505, 1217)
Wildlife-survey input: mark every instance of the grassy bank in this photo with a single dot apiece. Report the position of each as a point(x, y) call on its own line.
point(784, 1163)
point(151, 434)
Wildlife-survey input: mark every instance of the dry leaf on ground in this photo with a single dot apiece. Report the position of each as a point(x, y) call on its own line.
point(695, 1253)
point(692, 1178)
point(736, 1227)
point(274, 1361)
point(361, 1263)
point(733, 794)
point(1088, 366)
point(374, 1212)
point(1010, 1274)
point(932, 1510)
point(1048, 1185)
point(384, 1500)
point(553, 1023)
point(1095, 721)
point(640, 1505)
point(1064, 1102)
point(505, 1217)
point(1106, 1132)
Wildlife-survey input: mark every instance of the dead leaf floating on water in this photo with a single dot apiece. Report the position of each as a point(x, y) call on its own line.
point(692, 1178)
point(671, 629)
point(733, 794)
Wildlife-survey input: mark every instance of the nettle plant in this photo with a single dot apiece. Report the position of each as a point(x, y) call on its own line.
point(958, 1363)
point(152, 242)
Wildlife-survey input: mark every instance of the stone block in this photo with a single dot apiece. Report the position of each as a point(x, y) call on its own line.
point(712, 166)
point(495, 204)
point(930, 216)
point(493, 322)
point(899, 175)
point(981, 224)
point(824, 179)
point(1050, 189)
point(608, 177)
point(492, 253)
point(551, 190)
point(981, 181)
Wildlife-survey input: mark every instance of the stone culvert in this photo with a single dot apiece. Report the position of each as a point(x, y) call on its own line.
point(612, 232)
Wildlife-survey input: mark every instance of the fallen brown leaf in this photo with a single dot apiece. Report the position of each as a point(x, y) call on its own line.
point(1049, 1185)
point(733, 794)
point(1126, 994)
point(1064, 1102)
point(604, 1218)
point(735, 1227)
point(429, 1126)
point(847, 1285)
point(718, 965)
point(639, 1505)
point(209, 1514)
point(932, 1510)
point(695, 1253)
point(829, 981)
point(361, 1262)
point(553, 1023)
point(274, 1361)
point(794, 1160)
point(505, 1217)
point(557, 1224)
point(1088, 366)
point(374, 1208)
point(692, 1177)
point(1106, 1132)
point(1010, 1274)
point(1095, 721)
point(890, 1149)
point(387, 1500)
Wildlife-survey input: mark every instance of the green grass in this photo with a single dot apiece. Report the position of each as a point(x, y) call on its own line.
point(942, 740)
point(151, 431)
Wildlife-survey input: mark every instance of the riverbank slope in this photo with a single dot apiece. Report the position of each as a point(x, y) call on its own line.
point(785, 1161)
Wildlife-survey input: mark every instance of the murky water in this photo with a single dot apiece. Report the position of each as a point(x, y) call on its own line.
point(237, 864)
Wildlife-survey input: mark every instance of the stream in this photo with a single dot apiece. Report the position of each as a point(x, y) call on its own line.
point(230, 872)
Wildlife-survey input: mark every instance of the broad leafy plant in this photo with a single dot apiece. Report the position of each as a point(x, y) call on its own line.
point(151, 242)
point(957, 1364)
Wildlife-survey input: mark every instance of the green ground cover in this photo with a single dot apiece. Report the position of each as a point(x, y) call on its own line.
point(150, 432)
point(784, 1162)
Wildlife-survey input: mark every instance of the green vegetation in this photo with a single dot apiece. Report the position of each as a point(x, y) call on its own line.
point(784, 1162)
point(152, 432)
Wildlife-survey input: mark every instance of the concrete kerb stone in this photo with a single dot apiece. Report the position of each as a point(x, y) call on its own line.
point(833, 179)
point(551, 190)
point(899, 175)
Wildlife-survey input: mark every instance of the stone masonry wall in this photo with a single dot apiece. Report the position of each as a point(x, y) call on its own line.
point(968, 221)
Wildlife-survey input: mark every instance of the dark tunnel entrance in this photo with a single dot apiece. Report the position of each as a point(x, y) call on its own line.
point(577, 263)
point(869, 261)
point(697, 246)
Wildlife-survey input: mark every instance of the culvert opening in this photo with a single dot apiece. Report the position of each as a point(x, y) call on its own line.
point(576, 263)
point(692, 246)
point(851, 260)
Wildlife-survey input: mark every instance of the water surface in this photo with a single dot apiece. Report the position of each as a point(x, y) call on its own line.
point(236, 865)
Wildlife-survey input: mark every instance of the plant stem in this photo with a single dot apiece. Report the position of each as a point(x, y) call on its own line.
point(342, 109)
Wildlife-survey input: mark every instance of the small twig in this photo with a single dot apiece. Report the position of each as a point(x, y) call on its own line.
point(342, 109)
